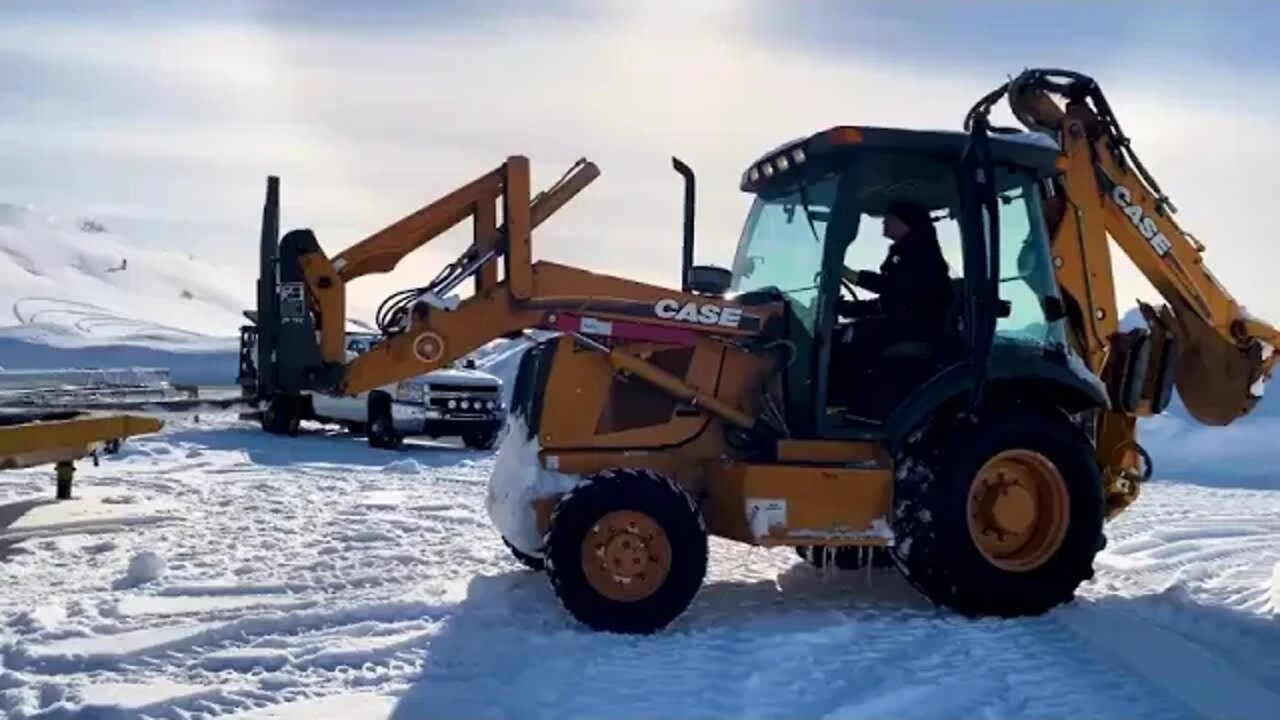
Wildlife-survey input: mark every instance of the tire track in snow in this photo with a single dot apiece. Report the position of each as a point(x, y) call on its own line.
point(401, 585)
point(1183, 668)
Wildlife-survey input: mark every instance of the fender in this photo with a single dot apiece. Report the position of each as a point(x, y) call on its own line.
point(1013, 373)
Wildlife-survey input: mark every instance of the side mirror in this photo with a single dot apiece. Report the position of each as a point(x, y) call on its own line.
point(709, 280)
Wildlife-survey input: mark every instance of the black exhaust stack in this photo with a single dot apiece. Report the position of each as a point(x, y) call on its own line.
point(700, 279)
point(690, 193)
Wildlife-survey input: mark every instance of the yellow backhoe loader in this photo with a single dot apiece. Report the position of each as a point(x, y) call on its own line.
point(984, 464)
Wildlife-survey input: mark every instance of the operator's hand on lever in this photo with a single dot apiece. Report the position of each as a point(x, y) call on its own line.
point(865, 279)
point(858, 307)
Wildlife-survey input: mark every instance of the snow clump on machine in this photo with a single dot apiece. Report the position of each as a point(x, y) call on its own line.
point(517, 480)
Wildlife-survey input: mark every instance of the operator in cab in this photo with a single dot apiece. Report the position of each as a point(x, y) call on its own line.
point(913, 285)
point(913, 297)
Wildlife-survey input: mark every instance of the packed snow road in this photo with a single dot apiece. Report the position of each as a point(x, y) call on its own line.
point(214, 571)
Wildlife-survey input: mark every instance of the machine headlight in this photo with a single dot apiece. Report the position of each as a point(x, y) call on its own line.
point(798, 155)
point(768, 169)
point(491, 404)
point(410, 392)
point(466, 405)
point(783, 163)
point(453, 404)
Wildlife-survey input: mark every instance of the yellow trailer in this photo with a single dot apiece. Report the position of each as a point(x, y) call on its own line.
point(28, 439)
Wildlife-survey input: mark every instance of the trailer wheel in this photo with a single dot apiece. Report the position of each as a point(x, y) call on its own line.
point(382, 431)
point(282, 416)
point(1000, 517)
point(626, 551)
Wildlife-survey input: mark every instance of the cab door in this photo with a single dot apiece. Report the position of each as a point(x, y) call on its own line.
point(980, 233)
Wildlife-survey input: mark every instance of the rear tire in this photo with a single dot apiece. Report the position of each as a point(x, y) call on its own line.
point(626, 551)
point(960, 482)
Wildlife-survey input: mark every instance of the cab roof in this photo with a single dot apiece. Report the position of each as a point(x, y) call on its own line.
point(834, 146)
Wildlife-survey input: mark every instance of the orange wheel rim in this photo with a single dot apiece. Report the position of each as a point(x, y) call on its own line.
point(626, 556)
point(1018, 510)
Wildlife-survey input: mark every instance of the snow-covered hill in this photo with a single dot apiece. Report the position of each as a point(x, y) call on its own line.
point(72, 282)
point(73, 294)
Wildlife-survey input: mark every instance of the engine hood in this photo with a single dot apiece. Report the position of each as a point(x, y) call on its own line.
point(461, 376)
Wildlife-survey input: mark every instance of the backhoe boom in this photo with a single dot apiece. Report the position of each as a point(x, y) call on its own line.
point(1203, 341)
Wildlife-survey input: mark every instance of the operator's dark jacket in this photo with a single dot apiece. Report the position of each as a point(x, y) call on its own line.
point(913, 288)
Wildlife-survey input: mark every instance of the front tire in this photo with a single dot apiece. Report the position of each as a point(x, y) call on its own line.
point(626, 551)
point(1000, 517)
point(529, 561)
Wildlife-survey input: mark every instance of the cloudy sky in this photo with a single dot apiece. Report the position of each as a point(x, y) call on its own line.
point(163, 119)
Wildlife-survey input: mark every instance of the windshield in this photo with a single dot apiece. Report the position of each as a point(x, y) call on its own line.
point(782, 246)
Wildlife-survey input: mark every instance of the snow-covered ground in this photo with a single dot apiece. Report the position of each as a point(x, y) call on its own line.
point(213, 571)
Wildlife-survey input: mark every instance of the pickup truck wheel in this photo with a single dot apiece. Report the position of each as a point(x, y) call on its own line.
point(480, 439)
point(382, 429)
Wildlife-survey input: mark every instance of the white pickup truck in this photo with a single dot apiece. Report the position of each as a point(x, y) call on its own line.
point(459, 401)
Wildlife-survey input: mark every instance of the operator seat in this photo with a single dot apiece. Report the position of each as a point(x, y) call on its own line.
point(902, 367)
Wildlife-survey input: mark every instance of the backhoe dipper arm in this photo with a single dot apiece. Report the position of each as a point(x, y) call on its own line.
point(1202, 341)
point(1224, 355)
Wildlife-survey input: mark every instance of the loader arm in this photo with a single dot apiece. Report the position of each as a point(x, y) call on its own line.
point(423, 331)
point(380, 252)
point(1221, 355)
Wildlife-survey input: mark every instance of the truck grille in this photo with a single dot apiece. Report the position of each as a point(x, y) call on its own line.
point(462, 389)
point(442, 403)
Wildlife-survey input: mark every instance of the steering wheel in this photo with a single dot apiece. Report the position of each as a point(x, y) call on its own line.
point(850, 287)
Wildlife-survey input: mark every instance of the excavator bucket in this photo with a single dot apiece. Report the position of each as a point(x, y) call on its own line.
point(1215, 377)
